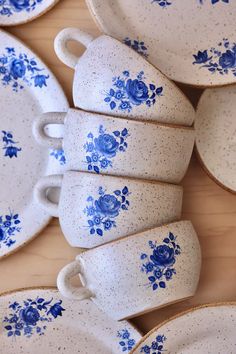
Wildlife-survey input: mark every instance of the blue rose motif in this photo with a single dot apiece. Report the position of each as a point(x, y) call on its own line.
point(17, 68)
point(106, 144)
point(30, 315)
point(163, 256)
point(20, 4)
point(108, 205)
point(137, 91)
point(228, 59)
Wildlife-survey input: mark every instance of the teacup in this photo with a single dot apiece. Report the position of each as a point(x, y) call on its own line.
point(95, 209)
point(111, 78)
point(139, 273)
point(110, 145)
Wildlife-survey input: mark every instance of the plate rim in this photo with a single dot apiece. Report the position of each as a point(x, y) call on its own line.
point(49, 218)
point(41, 13)
point(102, 27)
point(197, 152)
point(182, 314)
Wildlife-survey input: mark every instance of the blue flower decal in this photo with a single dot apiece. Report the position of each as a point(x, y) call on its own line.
point(103, 148)
point(213, 2)
point(9, 145)
point(101, 212)
point(31, 317)
point(9, 226)
point(9, 7)
point(17, 69)
point(220, 60)
point(127, 92)
point(157, 346)
point(159, 265)
point(138, 46)
point(59, 155)
point(162, 3)
point(126, 343)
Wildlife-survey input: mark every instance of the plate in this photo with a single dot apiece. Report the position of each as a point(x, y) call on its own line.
point(15, 12)
point(208, 330)
point(27, 88)
point(215, 127)
point(191, 41)
point(40, 321)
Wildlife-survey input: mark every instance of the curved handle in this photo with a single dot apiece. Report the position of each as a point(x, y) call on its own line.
point(40, 193)
point(39, 132)
point(64, 282)
point(61, 41)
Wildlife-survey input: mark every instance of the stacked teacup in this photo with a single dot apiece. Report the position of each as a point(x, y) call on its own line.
point(127, 144)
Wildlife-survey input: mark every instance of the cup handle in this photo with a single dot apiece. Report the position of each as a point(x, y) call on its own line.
point(40, 123)
point(64, 283)
point(40, 193)
point(61, 41)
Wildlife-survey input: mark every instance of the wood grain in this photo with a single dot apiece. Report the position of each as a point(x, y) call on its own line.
point(211, 209)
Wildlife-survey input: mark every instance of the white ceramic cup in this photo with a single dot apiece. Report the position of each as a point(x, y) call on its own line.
point(137, 274)
point(108, 145)
point(95, 209)
point(113, 79)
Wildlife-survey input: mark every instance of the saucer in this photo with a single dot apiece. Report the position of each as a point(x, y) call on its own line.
point(27, 88)
point(190, 41)
point(209, 329)
point(215, 127)
point(41, 321)
point(15, 12)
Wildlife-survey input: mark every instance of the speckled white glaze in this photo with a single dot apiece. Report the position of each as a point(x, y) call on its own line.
point(80, 328)
point(149, 204)
point(16, 12)
point(208, 329)
point(169, 42)
point(19, 173)
point(151, 151)
point(106, 59)
point(216, 134)
point(113, 278)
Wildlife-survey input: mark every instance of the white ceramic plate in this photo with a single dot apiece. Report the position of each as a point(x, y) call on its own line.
point(191, 41)
point(215, 127)
point(204, 330)
point(40, 321)
point(27, 88)
point(14, 12)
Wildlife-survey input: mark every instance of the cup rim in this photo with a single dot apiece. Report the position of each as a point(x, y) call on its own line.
point(112, 176)
point(138, 234)
point(135, 121)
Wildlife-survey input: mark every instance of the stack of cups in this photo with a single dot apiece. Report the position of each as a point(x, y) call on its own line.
point(127, 146)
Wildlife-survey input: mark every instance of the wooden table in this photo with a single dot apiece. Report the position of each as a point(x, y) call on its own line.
point(211, 209)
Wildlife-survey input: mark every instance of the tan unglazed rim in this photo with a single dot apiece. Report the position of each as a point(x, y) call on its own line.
point(53, 288)
point(47, 222)
point(29, 19)
point(203, 164)
point(181, 314)
point(102, 27)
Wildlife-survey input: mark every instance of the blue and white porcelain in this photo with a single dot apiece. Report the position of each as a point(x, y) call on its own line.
point(198, 50)
point(94, 209)
point(14, 12)
point(216, 135)
point(139, 273)
point(111, 78)
point(203, 329)
point(27, 88)
point(117, 146)
point(42, 321)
